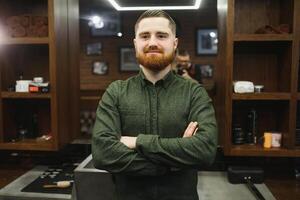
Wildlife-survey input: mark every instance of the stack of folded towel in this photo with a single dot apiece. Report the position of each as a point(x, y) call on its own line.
point(27, 26)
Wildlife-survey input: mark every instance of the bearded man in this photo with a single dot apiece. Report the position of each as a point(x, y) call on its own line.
point(154, 130)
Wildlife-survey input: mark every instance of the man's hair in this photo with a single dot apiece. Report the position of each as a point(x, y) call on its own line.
point(182, 52)
point(157, 13)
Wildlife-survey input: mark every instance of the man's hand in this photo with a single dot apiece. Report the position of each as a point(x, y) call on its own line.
point(191, 129)
point(130, 142)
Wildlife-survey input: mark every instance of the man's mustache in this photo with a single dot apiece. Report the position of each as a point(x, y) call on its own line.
point(152, 49)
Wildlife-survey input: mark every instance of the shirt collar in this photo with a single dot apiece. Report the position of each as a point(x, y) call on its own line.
point(164, 82)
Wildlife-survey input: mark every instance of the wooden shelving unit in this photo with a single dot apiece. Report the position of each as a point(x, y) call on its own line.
point(263, 37)
point(24, 116)
point(29, 40)
point(25, 95)
point(262, 96)
point(271, 60)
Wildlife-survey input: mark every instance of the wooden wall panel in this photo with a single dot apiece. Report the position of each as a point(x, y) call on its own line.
point(189, 21)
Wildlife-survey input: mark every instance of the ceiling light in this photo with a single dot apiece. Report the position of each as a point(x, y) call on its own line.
point(96, 21)
point(127, 8)
point(212, 34)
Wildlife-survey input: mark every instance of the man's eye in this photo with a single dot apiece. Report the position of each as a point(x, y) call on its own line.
point(144, 36)
point(162, 36)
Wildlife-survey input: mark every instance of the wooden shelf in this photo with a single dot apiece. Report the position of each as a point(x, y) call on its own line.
point(263, 37)
point(90, 98)
point(24, 40)
point(259, 150)
point(27, 144)
point(25, 95)
point(266, 59)
point(262, 96)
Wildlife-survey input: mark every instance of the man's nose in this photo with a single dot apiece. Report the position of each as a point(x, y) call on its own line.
point(152, 41)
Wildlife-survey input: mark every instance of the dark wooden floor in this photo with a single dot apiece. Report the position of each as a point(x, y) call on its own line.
point(284, 188)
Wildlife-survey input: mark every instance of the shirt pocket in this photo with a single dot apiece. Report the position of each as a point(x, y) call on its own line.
point(132, 121)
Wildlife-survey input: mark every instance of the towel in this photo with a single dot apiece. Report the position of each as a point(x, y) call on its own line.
point(27, 25)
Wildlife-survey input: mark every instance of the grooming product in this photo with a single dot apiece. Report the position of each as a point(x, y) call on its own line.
point(258, 88)
point(38, 79)
point(59, 184)
point(39, 86)
point(276, 139)
point(267, 140)
point(238, 135)
point(22, 85)
point(243, 87)
point(251, 133)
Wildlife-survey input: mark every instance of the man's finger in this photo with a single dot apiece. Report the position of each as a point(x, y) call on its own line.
point(195, 131)
point(190, 129)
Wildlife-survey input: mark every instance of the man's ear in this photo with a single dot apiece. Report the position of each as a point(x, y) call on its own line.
point(134, 42)
point(175, 43)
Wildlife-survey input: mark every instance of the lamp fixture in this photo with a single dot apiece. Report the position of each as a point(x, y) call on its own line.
point(135, 8)
point(96, 21)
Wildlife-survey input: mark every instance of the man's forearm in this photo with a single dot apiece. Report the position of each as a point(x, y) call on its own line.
point(117, 158)
point(177, 152)
point(130, 141)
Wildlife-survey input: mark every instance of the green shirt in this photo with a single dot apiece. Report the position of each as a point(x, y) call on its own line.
point(163, 165)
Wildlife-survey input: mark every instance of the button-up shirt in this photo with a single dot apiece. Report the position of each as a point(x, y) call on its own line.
point(163, 165)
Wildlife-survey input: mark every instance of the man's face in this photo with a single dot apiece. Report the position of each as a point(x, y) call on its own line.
point(155, 43)
point(183, 61)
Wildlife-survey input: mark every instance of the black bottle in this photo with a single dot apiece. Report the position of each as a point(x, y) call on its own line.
point(251, 133)
point(238, 135)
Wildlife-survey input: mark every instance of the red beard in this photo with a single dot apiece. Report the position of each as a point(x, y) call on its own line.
point(155, 62)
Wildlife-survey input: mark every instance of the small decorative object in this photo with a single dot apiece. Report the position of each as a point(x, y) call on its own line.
point(128, 60)
point(243, 87)
point(87, 119)
point(207, 41)
point(105, 24)
point(94, 49)
point(99, 68)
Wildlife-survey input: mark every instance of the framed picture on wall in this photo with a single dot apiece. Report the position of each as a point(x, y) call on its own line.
point(94, 49)
point(128, 62)
point(99, 68)
point(207, 41)
point(204, 70)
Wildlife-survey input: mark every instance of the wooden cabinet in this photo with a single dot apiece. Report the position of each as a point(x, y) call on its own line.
point(25, 116)
point(254, 47)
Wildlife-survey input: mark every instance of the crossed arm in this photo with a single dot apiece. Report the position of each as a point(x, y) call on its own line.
point(130, 142)
point(150, 154)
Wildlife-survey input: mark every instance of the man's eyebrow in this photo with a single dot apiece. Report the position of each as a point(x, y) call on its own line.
point(144, 33)
point(160, 32)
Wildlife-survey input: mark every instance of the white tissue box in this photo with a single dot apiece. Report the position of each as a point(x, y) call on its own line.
point(243, 87)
